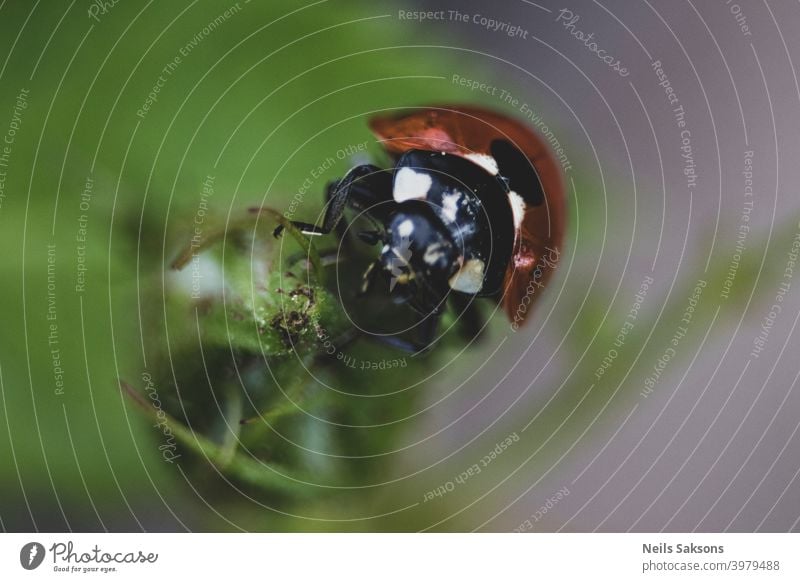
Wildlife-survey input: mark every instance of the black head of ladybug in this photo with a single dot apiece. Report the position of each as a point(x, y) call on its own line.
point(418, 257)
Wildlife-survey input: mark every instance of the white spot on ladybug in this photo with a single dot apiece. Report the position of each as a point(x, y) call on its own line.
point(469, 278)
point(410, 185)
point(517, 208)
point(485, 161)
point(450, 206)
point(406, 228)
point(433, 253)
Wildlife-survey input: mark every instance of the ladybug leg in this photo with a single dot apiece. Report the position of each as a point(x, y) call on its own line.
point(368, 279)
point(326, 258)
point(426, 336)
point(427, 332)
point(362, 187)
point(330, 193)
point(304, 227)
point(341, 226)
point(470, 319)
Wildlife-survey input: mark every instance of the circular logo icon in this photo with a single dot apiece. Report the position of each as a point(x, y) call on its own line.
point(31, 555)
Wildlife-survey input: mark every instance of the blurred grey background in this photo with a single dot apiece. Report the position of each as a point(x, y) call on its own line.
point(713, 447)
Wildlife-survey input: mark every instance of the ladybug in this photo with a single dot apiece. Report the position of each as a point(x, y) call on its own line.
point(474, 206)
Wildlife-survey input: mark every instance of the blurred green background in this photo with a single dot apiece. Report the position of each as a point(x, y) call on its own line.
point(255, 95)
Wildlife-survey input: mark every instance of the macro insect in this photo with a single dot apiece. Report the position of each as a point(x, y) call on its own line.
point(473, 206)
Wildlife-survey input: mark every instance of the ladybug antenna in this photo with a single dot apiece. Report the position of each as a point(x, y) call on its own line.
point(371, 237)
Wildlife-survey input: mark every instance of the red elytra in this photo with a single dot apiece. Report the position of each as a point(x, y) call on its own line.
point(464, 130)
